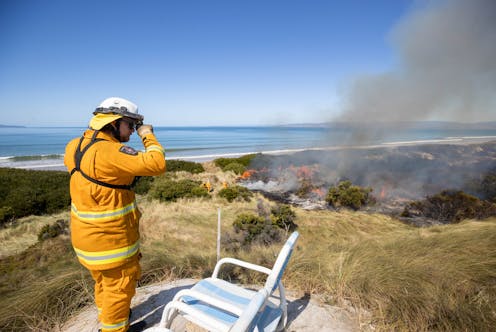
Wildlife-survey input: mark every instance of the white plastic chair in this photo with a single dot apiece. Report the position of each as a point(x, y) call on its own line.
point(220, 306)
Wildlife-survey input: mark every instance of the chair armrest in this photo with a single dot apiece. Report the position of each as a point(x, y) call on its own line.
point(226, 306)
point(241, 263)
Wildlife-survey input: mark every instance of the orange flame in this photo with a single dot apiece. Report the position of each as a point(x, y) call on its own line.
point(383, 192)
point(304, 172)
point(319, 191)
point(247, 174)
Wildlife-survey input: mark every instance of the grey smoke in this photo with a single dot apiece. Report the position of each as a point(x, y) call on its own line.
point(446, 69)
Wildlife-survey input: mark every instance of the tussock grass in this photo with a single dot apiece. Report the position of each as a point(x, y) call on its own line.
point(42, 287)
point(24, 232)
point(438, 278)
point(435, 279)
point(441, 278)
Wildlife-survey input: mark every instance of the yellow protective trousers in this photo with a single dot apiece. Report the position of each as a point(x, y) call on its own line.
point(114, 289)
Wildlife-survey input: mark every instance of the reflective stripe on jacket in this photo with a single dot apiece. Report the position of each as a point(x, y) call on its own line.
point(105, 221)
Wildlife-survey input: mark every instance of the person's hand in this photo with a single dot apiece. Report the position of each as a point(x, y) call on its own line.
point(144, 129)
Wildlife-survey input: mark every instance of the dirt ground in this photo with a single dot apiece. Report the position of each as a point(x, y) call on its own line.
point(305, 313)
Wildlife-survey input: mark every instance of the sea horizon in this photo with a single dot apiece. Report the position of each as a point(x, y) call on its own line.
point(43, 147)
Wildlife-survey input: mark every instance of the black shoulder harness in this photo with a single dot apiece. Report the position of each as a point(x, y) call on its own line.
point(78, 155)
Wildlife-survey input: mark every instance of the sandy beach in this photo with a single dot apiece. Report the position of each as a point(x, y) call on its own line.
point(58, 164)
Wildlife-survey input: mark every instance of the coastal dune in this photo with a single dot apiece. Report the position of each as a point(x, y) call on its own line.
point(351, 270)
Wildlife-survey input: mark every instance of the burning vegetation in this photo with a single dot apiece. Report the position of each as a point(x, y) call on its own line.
point(387, 180)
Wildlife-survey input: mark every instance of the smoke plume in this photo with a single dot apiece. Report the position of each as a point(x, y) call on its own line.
point(446, 69)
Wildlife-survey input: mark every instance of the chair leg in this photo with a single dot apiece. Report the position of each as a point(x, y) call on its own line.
point(169, 314)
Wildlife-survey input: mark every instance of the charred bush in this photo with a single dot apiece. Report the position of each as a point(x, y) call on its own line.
point(263, 209)
point(306, 187)
point(450, 206)
point(486, 189)
point(348, 195)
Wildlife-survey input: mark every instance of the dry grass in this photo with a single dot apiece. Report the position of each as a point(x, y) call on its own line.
point(41, 287)
point(24, 233)
point(437, 278)
point(441, 278)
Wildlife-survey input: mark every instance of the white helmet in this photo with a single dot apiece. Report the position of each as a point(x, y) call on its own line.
point(121, 106)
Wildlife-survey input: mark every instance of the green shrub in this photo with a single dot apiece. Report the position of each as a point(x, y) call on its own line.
point(165, 189)
point(249, 222)
point(263, 228)
point(50, 231)
point(348, 195)
point(235, 192)
point(243, 160)
point(182, 165)
point(6, 214)
point(283, 217)
point(235, 167)
point(450, 206)
point(143, 184)
point(26, 192)
point(249, 229)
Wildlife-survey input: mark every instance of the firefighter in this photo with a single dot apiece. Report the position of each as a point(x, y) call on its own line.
point(104, 215)
point(207, 185)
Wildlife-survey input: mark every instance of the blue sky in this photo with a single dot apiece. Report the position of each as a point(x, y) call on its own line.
point(192, 62)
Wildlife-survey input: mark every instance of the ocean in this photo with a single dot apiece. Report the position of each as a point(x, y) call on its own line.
point(43, 147)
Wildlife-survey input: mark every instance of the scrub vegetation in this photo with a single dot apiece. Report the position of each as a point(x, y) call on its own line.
point(348, 195)
point(186, 166)
point(396, 277)
point(236, 165)
point(450, 206)
point(24, 193)
point(236, 193)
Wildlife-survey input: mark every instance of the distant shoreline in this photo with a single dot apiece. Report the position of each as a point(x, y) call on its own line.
point(58, 165)
point(9, 126)
point(442, 125)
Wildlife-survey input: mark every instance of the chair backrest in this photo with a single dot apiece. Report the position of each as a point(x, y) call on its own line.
point(280, 265)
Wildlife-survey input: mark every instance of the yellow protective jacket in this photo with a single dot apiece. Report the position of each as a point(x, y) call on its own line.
point(105, 221)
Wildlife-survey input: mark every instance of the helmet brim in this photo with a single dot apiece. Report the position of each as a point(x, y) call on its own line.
point(119, 110)
point(100, 120)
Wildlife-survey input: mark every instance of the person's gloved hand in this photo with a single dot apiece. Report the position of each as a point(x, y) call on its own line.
point(144, 129)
